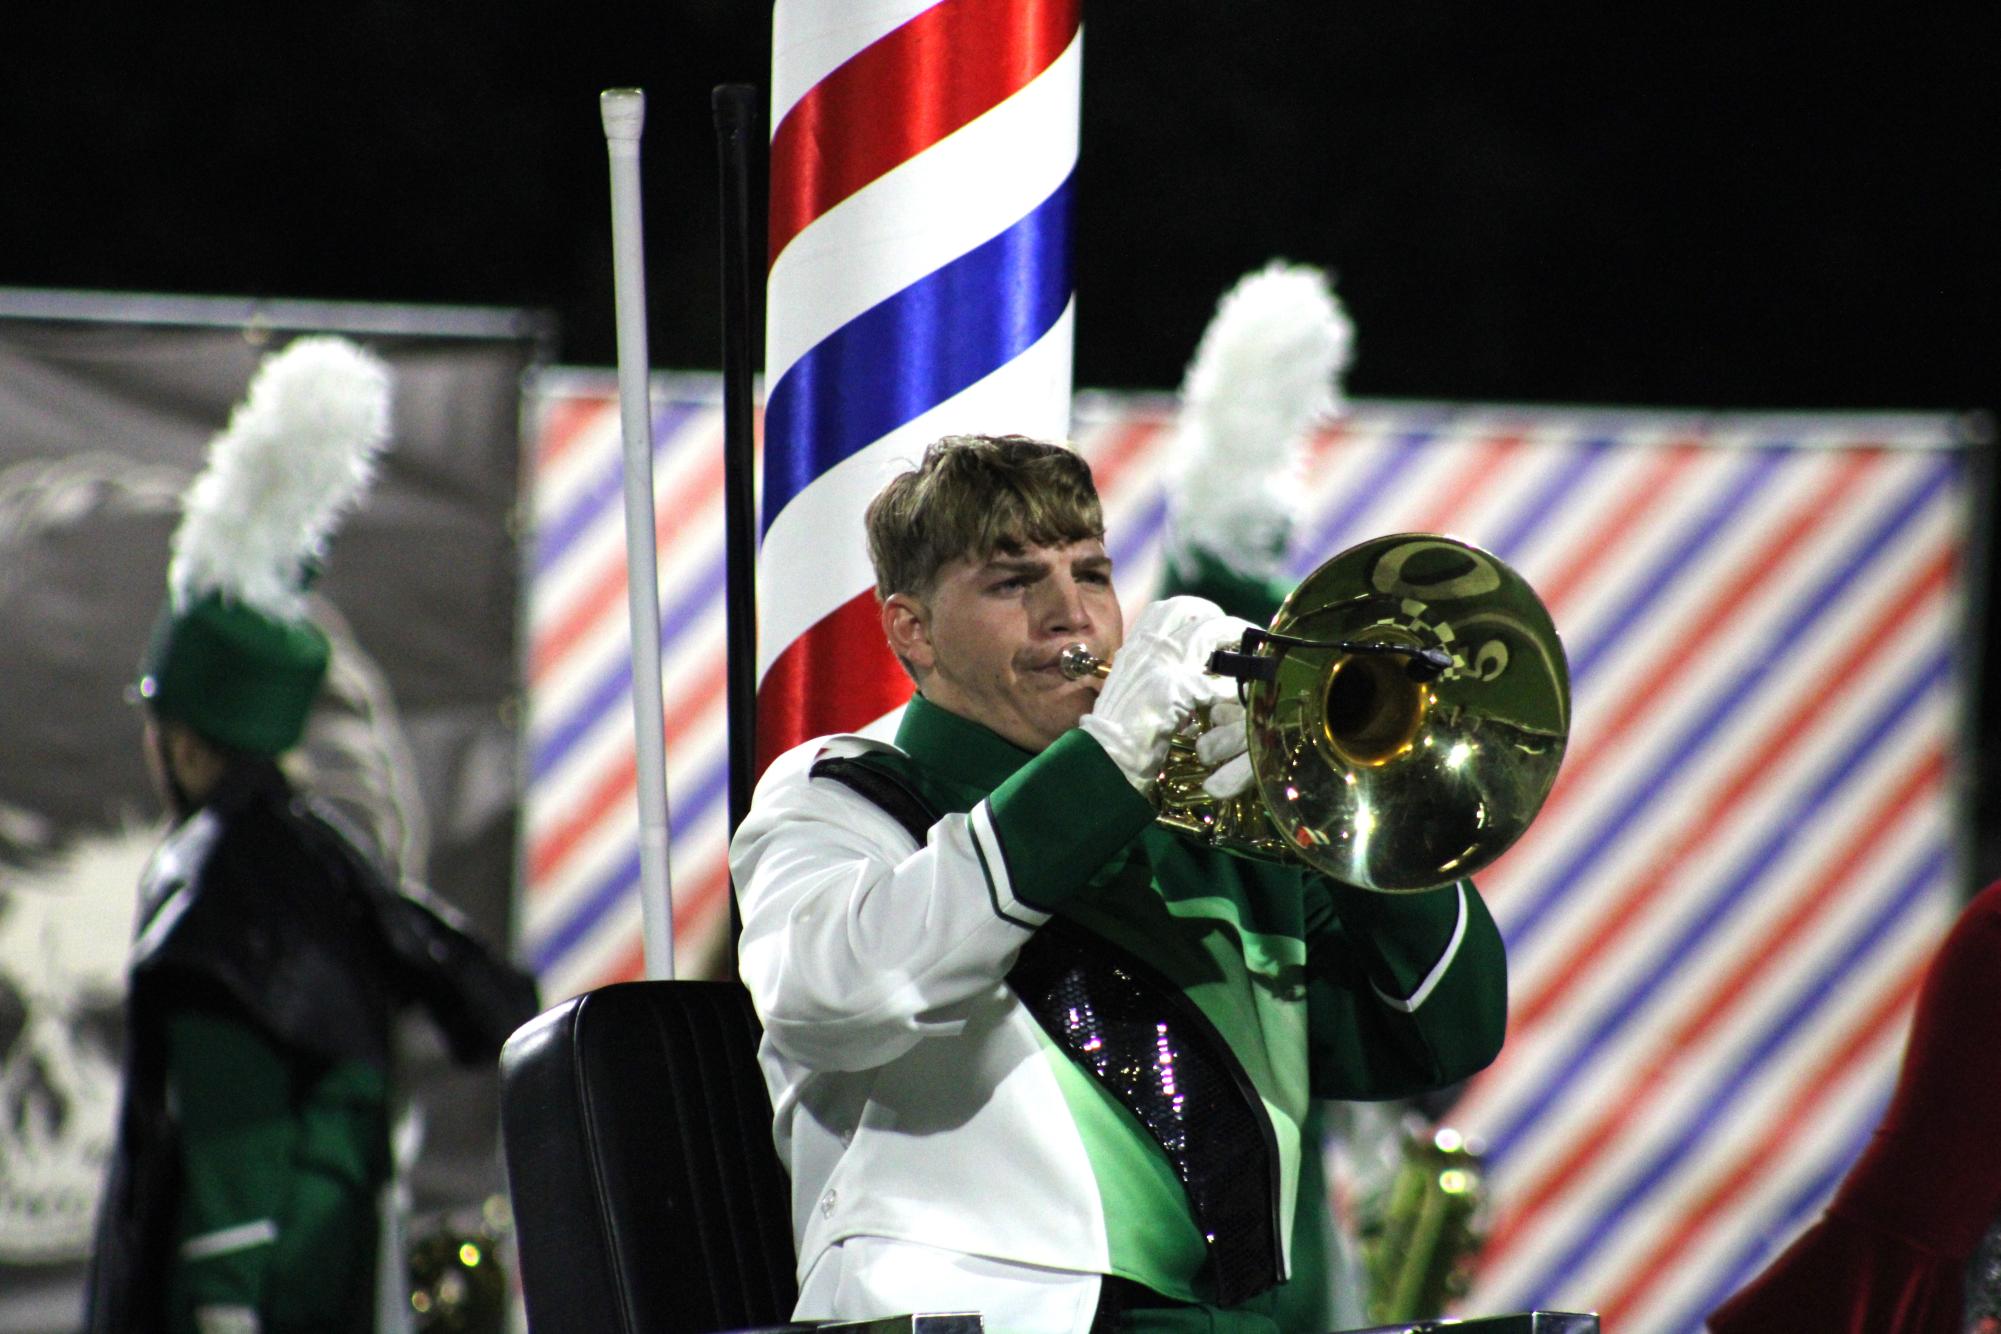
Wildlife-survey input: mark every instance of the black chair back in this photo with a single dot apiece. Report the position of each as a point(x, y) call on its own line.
point(647, 1196)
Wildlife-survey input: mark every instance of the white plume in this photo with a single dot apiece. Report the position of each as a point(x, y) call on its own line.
point(295, 456)
point(1266, 372)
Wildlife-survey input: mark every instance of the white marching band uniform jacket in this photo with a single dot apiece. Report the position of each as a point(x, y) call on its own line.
point(918, 1105)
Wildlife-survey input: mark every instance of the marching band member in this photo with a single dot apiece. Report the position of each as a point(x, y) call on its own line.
point(272, 953)
point(1265, 373)
point(1029, 1052)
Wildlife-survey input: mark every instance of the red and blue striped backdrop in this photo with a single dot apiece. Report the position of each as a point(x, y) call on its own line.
point(1717, 924)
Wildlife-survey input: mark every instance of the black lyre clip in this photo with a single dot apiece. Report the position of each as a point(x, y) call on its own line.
point(1245, 664)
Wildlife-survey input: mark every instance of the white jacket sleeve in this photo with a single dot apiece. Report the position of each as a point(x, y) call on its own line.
point(856, 945)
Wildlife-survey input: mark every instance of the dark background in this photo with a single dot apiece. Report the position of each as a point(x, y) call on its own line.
point(1539, 202)
point(1764, 206)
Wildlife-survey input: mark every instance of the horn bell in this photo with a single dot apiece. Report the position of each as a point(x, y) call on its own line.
point(1393, 775)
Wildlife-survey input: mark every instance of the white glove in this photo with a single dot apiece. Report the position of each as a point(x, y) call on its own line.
point(226, 1320)
point(1157, 680)
point(1225, 748)
point(1224, 745)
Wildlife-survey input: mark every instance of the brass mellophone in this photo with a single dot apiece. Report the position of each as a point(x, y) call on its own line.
point(1406, 714)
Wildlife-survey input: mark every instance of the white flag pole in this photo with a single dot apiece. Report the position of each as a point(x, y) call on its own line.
point(624, 112)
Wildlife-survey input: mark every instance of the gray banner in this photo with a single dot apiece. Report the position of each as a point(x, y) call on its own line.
point(101, 425)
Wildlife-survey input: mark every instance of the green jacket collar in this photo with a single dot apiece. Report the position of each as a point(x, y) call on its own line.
point(957, 750)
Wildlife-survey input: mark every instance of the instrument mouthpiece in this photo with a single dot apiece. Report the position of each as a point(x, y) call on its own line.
point(1079, 662)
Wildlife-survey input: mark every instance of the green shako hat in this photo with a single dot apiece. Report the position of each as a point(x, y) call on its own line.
point(233, 655)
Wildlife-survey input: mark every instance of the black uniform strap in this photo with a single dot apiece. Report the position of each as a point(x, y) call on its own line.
point(900, 801)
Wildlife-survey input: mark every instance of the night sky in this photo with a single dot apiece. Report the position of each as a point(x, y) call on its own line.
point(1745, 206)
point(1543, 202)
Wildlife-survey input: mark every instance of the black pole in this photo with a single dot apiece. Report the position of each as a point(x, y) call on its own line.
point(737, 120)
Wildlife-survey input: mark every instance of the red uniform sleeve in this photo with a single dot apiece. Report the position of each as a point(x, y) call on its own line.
point(1889, 1255)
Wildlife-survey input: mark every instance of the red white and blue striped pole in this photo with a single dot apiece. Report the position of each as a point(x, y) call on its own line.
point(922, 162)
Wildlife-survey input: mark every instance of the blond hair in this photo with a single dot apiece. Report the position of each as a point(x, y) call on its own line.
point(972, 497)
